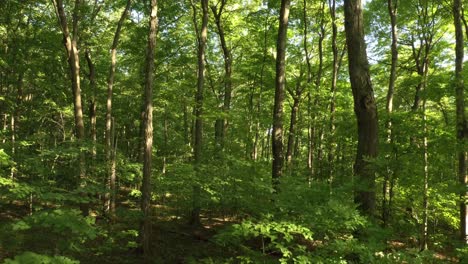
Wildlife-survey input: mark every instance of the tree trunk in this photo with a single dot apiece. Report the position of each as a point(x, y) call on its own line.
point(280, 82)
point(265, 147)
point(145, 228)
point(311, 125)
point(92, 105)
point(461, 126)
point(113, 175)
point(223, 123)
point(364, 107)
point(423, 244)
point(420, 55)
point(201, 37)
point(108, 136)
point(71, 46)
point(331, 152)
point(293, 121)
point(388, 177)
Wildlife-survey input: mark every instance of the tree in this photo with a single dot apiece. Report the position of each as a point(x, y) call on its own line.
point(280, 82)
point(461, 124)
point(110, 150)
point(364, 107)
point(198, 134)
point(388, 180)
point(145, 229)
point(71, 46)
point(221, 124)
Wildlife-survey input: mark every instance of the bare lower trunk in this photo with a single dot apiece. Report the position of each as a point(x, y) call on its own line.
point(390, 174)
point(113, 172)
point(202, 38)
point(280, 82)
point(293, 121)
point(462, 125)
point(145, 227)
point(227, 72)
point(364, 107)
point(311, 124)
point(292, 132)
point(110, 158)
point(331, 152)
point(423, 242)
point(71, 46)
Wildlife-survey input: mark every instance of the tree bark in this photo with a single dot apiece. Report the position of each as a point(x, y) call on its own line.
point(71, 46)
point(388, 178)
point(198, 147)
point(296, 95)
point(111, 177)
point(145, 228)
point(92, 104)
point(318, 83)
point(222, 123)
point(420, 55)
point(311, 125)
point(364, 107)
point(280, 82)
point(331, 153)
point(461, 126)
point(265, 147)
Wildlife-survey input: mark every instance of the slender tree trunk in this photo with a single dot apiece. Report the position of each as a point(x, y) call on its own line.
point(310, 141)
point(292, 131)
point(265, 147)
point(223, 123)
point(426, 182)
point(186, 125)
point(71, 46)
point(15, 117)
point(202, 38)
point(364, 107)
point(311, 125)
point(461, 126)
point(92, 105)
point(388, 177)
point(293, 121)
point(5, 127)
point(113, 172)
point(312, 131)
point(421, 58)
point(280, 82)
point(331, 152)
point(110, 85)
point(165, 151)
point(145, 228)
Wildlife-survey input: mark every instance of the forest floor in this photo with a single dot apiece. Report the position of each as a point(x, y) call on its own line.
point(173, 239)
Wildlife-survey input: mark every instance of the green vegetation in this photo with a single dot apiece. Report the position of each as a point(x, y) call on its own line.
point(228, 131)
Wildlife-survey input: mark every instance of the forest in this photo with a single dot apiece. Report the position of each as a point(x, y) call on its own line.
point(233, 131)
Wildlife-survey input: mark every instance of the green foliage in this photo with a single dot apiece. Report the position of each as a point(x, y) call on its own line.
point(64, 230)
point(34, 258)
point(287, 239)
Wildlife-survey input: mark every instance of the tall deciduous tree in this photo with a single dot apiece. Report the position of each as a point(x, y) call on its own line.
point(145, 229)
point(221, 124)
point(110, 153)
point(388, 178)
point(197, 153)
point(280, 82)
point(461, 126)
point(71, 45)
point(364, 106)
